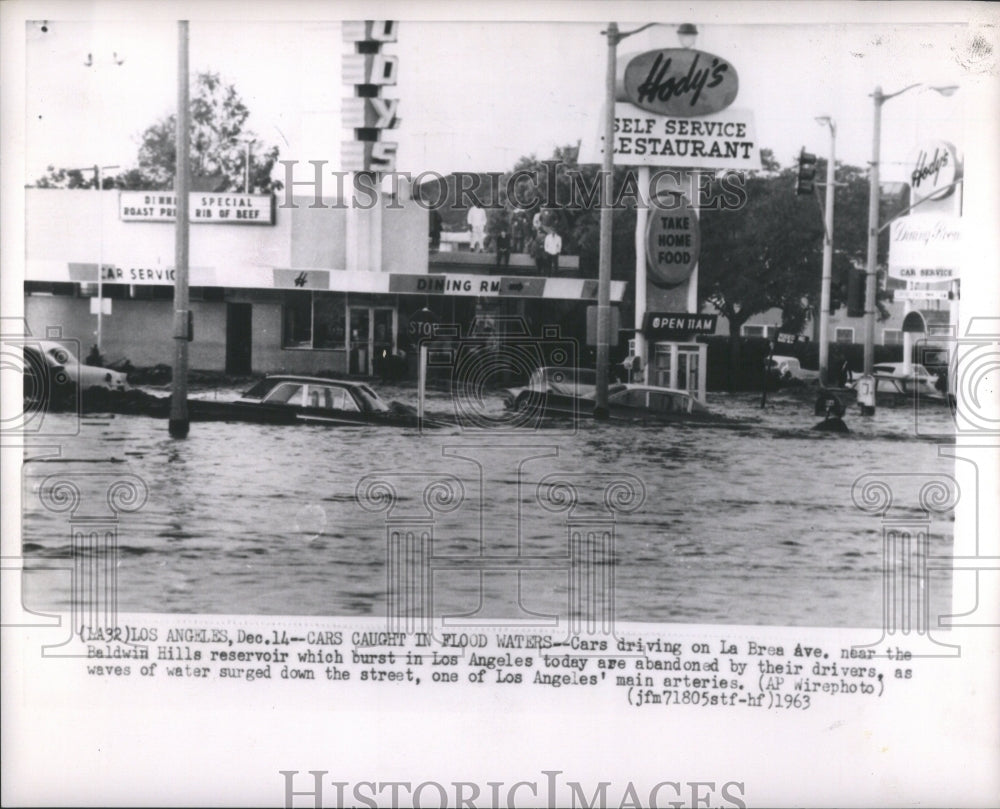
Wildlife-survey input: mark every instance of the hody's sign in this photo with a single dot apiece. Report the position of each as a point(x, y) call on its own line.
point(367, 114)
point(935, 170)
point(679, 82)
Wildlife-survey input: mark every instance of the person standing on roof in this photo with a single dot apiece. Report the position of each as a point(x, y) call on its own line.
point(476, 220)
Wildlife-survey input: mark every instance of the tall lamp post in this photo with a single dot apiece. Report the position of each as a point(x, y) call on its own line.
point(96, 65)
point(247, 142)
point(824, 291)
point(873, 229)
point(687, 34)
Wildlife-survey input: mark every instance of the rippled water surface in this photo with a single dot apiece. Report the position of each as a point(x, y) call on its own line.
point(750, 522)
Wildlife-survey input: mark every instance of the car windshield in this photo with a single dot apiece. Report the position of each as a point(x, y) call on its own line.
point(259, 390)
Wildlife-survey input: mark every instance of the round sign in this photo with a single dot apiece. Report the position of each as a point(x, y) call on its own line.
point(673, 241)
point(680, 82)
point(935, 169)
point(914, 323)
point(421, 326)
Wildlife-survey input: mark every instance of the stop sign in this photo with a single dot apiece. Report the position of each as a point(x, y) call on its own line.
point(422, 326)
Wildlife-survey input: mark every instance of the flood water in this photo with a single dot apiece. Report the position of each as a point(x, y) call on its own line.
point(747, 523)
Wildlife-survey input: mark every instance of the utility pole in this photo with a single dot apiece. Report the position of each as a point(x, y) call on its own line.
point(604, 266)
point(824, 292)
point(179, 423)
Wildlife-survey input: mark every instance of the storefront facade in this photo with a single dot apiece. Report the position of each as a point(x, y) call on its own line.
point(268, 294)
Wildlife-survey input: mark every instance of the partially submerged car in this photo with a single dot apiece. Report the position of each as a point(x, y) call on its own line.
point(572, 382)
point(58, 360)
point(553, 391)
point(287, 399)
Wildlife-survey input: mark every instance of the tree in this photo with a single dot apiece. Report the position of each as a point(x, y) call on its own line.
point(763, 254)
point(217, 158)
point(570, 195)
point(767, 253)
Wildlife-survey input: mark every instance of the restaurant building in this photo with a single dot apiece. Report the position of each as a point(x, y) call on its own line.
point(277, 284)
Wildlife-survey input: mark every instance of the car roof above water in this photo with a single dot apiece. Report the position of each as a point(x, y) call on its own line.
point(319, 380)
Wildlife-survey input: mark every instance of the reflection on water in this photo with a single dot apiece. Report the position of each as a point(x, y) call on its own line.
point(745, 523)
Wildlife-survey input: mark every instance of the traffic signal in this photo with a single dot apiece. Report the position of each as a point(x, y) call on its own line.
point(807, 173)
point(856, 293)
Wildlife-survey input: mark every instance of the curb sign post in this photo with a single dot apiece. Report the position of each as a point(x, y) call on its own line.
point(421, 329)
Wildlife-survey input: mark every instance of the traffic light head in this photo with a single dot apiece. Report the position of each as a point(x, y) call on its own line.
point(807, 173)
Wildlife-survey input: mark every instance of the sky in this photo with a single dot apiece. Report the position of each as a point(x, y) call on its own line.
point(474, 96)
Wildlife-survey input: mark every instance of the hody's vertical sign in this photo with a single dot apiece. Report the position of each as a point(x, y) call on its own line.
point(935, 171)
point(366, 114)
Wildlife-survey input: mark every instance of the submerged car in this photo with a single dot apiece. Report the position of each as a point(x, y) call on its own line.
point(572, 382)
point(289, 399)
point(64, 371)
point(553, 391)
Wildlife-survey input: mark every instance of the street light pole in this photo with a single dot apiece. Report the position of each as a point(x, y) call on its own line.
point(873, 211)
point(179, 423)
point(873, 205)
point(246, 164)
point(604, 265)
point(824, 292)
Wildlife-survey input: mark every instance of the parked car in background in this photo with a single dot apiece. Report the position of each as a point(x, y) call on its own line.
point(894, 388)
point(788, 368)
point(923, 380)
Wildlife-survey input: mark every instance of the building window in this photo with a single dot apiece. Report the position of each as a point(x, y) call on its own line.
point(207, 294)
point(297, 316)
point(49, 288)
point(329, 321)
point(892, 337)
point(758, 331)
point(152, 292)
point(314, 320)
point(844, 335)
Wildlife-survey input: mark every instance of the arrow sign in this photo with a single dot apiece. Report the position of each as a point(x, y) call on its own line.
point(920, 295)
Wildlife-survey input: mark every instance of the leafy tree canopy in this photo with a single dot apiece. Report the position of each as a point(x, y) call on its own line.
point(217, 157)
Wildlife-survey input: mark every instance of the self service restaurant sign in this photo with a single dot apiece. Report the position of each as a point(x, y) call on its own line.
point(673, 108)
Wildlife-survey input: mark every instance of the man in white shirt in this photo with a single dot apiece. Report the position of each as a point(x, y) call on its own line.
point(476, 220)
point(553, 247)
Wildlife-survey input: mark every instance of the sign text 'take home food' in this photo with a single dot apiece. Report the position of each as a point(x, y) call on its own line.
point(680, 82)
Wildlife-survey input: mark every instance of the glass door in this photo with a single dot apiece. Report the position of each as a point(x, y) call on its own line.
point(359, 355)
point(382, 340)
